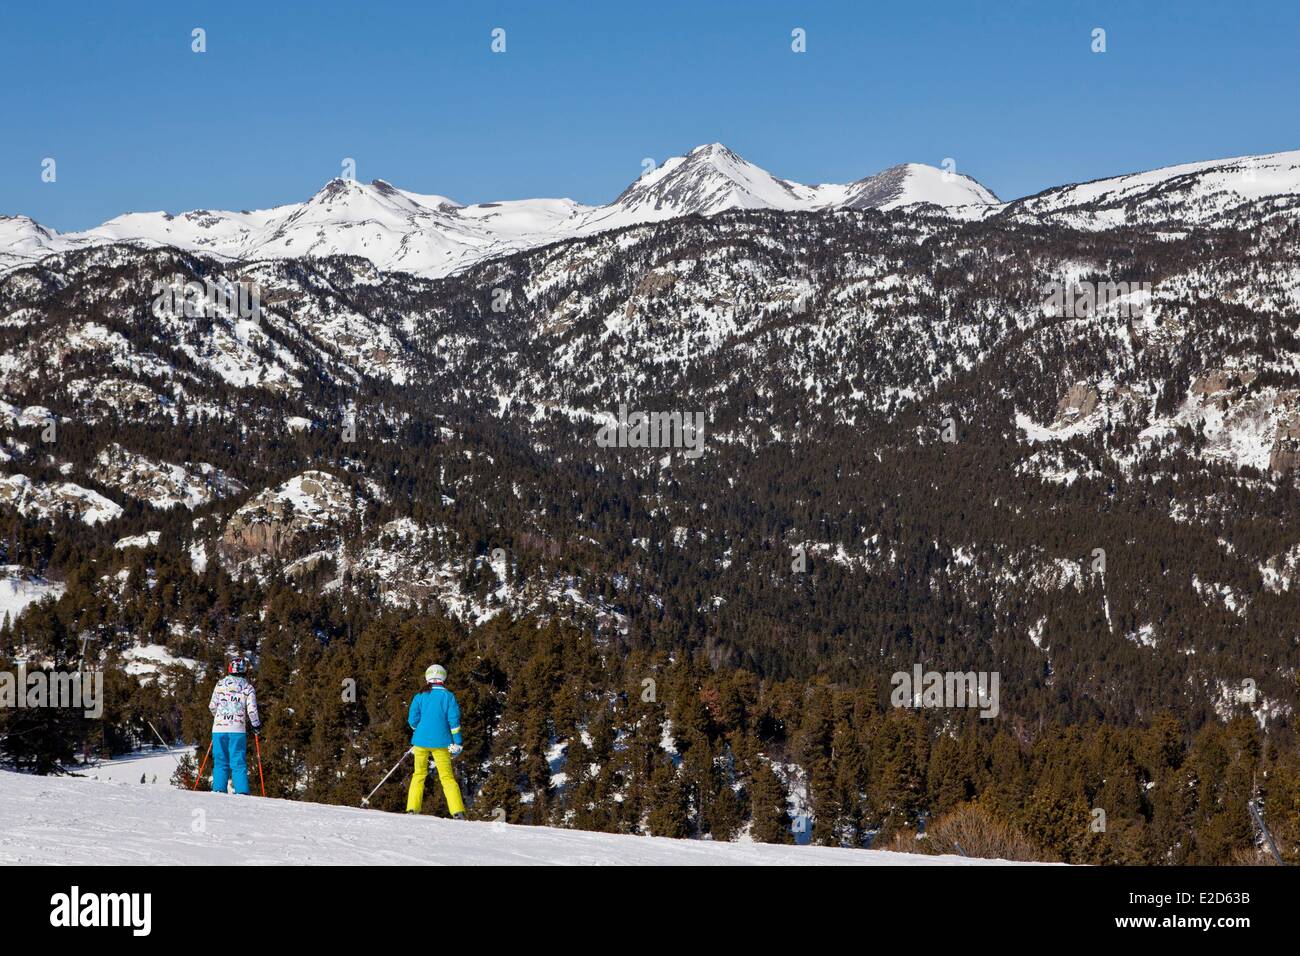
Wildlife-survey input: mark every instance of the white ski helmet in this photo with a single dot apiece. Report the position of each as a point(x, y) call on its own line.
point(436, 674)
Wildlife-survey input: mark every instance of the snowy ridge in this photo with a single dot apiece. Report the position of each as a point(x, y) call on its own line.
point(1181, 195)
point(70, 821)
point(431, 235)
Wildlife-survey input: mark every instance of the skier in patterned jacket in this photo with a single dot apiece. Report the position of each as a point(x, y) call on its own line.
point(232, 698)
point(435, 724)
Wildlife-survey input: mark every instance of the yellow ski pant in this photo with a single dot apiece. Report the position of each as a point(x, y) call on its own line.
point(442, 759)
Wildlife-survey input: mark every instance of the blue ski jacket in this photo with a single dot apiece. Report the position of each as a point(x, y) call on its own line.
point(435, 718)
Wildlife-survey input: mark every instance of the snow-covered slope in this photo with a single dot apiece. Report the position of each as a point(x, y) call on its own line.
point(70, 821)
point(911, 184)
point(1185, 195)
point(24, 240)
point(155, 766)
point(20, 588)
point(431, 235)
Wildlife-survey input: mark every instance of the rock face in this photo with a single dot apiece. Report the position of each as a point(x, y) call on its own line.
point(1241, 415)
point(1219, 387)
point(654, 284)
point(1284, 457)
point(286, 520)
point(1079, 402)
point(1212, 383)
point(243, 538)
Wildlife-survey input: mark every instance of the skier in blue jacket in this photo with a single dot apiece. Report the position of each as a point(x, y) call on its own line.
point(435, 722)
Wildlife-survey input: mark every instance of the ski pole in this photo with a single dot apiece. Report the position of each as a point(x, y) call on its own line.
point(161, 741)
point(257, 739)
point(366, 801)
point(199, 776)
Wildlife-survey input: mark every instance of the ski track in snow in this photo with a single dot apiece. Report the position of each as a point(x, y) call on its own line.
point(78, 821)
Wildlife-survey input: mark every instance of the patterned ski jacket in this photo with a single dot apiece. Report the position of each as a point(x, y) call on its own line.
point(435, 718)
point(231, 698)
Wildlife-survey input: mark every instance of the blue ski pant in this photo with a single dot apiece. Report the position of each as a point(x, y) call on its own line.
point(228, 758)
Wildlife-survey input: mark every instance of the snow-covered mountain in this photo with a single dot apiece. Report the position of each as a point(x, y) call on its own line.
point(1177, 196)
point(913, 184)
point(712, 178)
point(431, 235)
point(707, 180)
point(23, 240)
point(19, 588)
point(434, 236)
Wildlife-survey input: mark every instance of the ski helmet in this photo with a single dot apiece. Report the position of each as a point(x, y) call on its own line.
point(436, 674)
point(237, 665)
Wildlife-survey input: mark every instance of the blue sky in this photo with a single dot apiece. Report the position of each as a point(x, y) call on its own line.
point(585, 91)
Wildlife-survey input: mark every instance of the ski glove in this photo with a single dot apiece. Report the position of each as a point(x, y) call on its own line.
point(454, 750)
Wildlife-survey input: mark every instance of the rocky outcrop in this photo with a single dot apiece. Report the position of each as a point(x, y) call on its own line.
point(1079, 402)
point(651, 285)
point(244, 538)
point(1219, 387)
point(1284, 457)
point(161, 484)
point(50, 499)
point(287, 520)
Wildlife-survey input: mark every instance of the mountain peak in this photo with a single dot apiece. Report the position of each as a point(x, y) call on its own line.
point(714, 151)
point(910, 184)
point(338, 186)
point(707, 180)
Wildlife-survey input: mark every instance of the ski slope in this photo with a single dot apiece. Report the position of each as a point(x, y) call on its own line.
point(155, 766)
point(82, 821)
